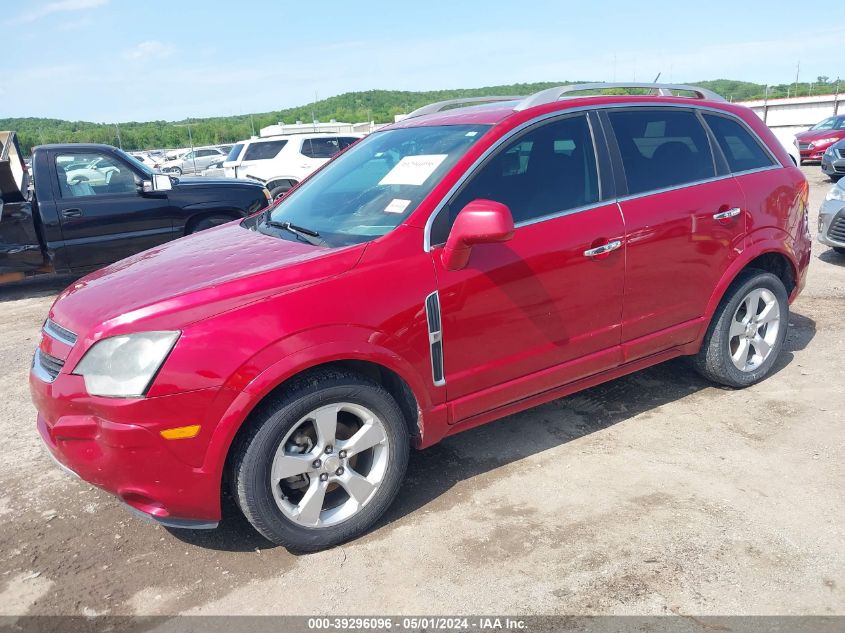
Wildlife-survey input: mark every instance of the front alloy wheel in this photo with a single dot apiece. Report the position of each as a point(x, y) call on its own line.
point(318, 464)
point(330, 465)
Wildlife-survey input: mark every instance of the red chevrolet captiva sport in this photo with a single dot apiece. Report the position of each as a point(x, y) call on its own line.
point(480, 257)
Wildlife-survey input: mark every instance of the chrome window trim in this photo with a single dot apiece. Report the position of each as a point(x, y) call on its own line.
point(59, 333)
point(565, 212)
point(427, 246)
point(695, 183)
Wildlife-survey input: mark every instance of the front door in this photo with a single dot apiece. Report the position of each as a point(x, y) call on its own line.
point(104, 217)
point(539, 310)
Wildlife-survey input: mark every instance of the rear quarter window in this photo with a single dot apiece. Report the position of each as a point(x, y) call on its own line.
point(264, 151)
point(742, 151)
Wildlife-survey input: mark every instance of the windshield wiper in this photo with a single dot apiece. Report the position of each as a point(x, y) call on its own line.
point(312, 237)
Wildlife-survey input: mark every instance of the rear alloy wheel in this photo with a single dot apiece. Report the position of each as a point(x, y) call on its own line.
point(323, 462)
point(747, 332)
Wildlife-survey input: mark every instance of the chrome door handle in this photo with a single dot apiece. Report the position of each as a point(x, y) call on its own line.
point(730, 213)
point(604, 248)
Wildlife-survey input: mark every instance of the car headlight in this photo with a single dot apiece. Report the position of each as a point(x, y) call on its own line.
point(823, 141)
point(123, 366)
point(836, 193)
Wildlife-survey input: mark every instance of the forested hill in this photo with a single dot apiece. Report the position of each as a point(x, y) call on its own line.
point(376, 105)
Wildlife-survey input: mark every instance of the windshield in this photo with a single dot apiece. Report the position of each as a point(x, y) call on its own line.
point(372, 188)
point(833, 123)
point(235, 152)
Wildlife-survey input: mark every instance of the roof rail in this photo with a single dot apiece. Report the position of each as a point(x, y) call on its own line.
point(554, 94)
point(431, 108)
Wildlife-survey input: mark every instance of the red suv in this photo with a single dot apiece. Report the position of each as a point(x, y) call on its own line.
point(456, 267)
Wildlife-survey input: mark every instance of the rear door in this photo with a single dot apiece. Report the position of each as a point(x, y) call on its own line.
point(685, 220)
point(103, 215)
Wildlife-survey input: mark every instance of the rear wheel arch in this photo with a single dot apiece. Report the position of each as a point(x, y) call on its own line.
point(770, 257)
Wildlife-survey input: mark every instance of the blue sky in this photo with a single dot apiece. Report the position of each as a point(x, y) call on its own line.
point(121, 60)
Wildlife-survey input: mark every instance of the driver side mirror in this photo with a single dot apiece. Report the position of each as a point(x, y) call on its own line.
point(480, 222)
point(160, 182)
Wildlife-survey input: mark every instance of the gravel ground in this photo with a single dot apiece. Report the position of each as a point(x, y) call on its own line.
point(653, 494)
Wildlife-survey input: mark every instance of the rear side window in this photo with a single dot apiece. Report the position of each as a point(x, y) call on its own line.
point(235, 151)
point(320, 147)
point(661, 148)
point(346, 141)
point(741, 149)
point(264, 151)
point(549, 169)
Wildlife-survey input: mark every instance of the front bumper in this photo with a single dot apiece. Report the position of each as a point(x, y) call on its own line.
point(115, 444)
point(832, 223)
point(835, 167)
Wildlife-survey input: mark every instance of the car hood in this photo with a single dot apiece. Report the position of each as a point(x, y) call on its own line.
point(193, 278)
point(813, 135)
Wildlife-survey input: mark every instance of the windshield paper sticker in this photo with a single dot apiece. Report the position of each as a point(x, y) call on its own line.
point(397, 205)
point(413, 170)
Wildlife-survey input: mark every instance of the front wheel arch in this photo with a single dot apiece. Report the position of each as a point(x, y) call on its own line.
point(195, 221)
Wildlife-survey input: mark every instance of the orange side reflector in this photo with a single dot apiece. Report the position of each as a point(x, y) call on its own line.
point(181, 432)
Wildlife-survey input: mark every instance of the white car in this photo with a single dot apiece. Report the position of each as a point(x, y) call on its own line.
point(96, 173)
point(146, 159)
point(193, 162)
point(280, 162)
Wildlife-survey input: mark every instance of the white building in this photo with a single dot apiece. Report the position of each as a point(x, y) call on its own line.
point(786, 117)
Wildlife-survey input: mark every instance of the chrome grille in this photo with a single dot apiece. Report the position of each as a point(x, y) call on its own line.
point(57, 332)
point(841, 152)
point(46, 367)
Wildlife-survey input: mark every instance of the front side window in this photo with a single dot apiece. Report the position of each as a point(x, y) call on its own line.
point(320, 147)
point(661, 148)
point(549, 169)
point(741, 150)
point(93, 174)
point(372, 188)
point(263, 151)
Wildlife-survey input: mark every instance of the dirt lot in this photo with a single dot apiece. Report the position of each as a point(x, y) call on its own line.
point(653, 494)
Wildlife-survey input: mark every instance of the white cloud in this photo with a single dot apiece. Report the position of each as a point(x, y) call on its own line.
point(59, 6)
point(150, 50)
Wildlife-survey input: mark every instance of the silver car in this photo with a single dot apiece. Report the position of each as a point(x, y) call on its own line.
point(832, 218)
point(833, 161)
point(193, 162)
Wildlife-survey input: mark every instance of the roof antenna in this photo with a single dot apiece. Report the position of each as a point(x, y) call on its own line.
point(656, 78)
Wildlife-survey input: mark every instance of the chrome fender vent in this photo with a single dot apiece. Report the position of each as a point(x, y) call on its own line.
point(435, 337)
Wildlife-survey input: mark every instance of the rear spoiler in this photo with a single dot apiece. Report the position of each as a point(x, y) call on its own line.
point(14, 179)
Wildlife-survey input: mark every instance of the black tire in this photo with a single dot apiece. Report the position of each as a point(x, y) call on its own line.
point(839, 250)
point(280, 190)
point(208, 223)
point(713, 360)
point(253, 454)
point(834, 178)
